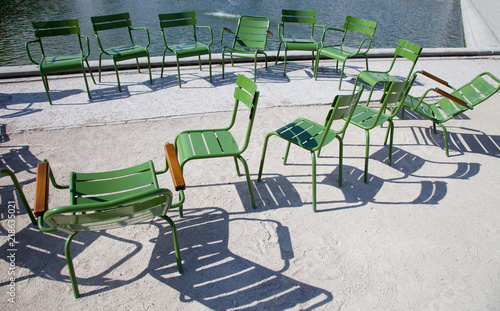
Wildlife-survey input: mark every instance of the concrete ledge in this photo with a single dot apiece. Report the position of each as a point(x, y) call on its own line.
point(9, 72)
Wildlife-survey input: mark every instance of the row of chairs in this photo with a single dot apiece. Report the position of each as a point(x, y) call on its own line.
point(248, 41)
point(123, 197)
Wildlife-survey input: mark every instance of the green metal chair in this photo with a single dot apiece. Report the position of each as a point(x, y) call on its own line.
point(405, 49)
point(250, 39)
point(56, 63)
point(312, 136)
point(218, 143)
point(367, 118)
point(104, 200)
point(355, 28)
point(129, 50)
point(461, 99)
point(179, 22)
point(306, 22)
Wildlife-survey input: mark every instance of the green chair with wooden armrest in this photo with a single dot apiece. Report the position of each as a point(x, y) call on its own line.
point(250, 40)
point(367, 118)
point(180, 22)
point(105, 200)
point(361, 30)
point(312, 136)
point(450, 105)
point(291, 40)
point(128, 49)
point(219, 143)
point(46, 33)
point(406, 50)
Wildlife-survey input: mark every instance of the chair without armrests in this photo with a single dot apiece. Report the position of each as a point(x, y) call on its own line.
point(312, 136)
point(300, 18)
point(461, 99)
point(50, 64)
point(128, 50)
point(218, 143)
point(250, 39)
point(405, 49)
point(181, 21)
point(367, 118)
point(340, 52)
point(107, 200)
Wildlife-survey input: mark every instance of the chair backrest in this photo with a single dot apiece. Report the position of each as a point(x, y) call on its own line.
point(408, 50)
point(395, 95)
point(113, 21)
point(343, 107)
point(47, 29)
point(181, 19)
point(251, 33)
point(299, 17)
point(359, 25)
point(479, 89)
point(245, 92)
point(111, 199)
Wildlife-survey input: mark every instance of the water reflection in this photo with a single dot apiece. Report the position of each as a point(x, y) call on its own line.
point(429, 23)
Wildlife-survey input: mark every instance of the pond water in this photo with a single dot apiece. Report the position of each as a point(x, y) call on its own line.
point(429, 23)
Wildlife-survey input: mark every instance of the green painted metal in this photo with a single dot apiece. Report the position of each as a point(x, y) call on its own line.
point(57, 63)
point(367, 118)
point(250, 40)
point(405, 49)
point(106, 200)
point(306, 21)
point(313, 137)
point(361, 29)
point(129, 50)
point(464, 98)
point(218, 143)
point(179, 22)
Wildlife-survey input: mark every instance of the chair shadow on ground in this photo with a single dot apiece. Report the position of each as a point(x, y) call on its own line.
point(219, 279)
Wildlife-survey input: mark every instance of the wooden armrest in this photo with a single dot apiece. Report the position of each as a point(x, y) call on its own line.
point(42, 189)
point(227, 29)
point(433, 77)
point(175, 169)
point(452, 98)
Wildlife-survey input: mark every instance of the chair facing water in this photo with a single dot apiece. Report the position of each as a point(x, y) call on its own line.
point(312, 136)
point(218, 143)
point(105, 200)
point(180, 22)
point(49, 63)
point(353, 27)
point(119, 24)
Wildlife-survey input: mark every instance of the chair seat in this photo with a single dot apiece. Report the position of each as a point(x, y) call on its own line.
point(190, 49)
point(61, 62)
point(338, 52)
point(124, 52)
point(374, 77)
point(206, 144)
point(364, 117)
point(305, 133)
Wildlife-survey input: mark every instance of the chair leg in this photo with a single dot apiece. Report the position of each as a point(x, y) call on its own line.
point(163, 63)
point(176, 243)
point(445, 132)
point(255, 69)
point(249, 181)
point(178, 72)
point(278, 55)
point(117, 76)
point(237, 167)
point(263, 157)
point(286, 153)
point(390, 129)
point(367, 154)
point(149, 68)
point(71, 269)
point(313, 158)
point(90, 71)
point(199, 61)
point(137, 63)
point(316, 65)
point(222, 64)
point(341, 158)
point(341, 73)
point(46, 86)
point(210, 66)
point(284, 64)
point(85, 78)
point(100, 58)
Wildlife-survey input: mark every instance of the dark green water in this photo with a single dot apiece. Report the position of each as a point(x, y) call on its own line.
point(429, 23)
